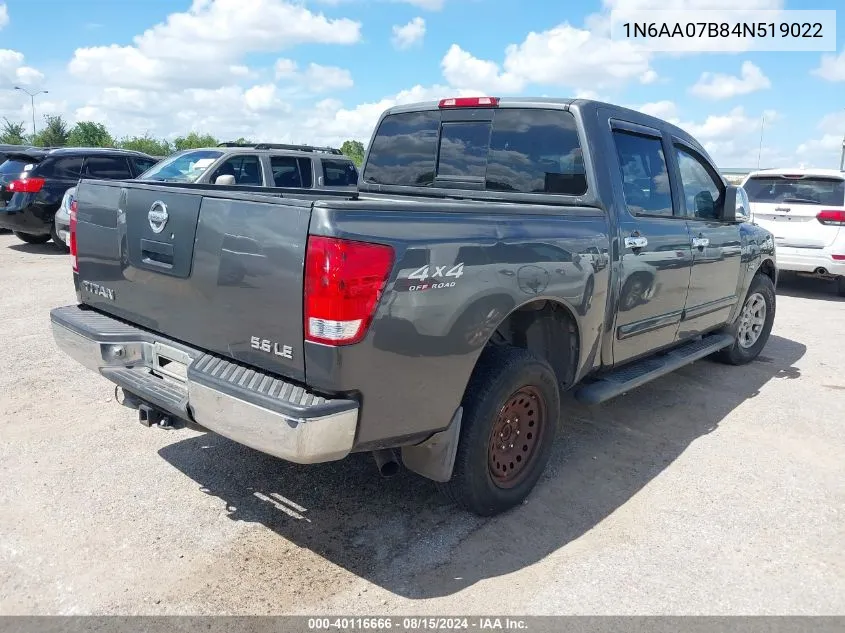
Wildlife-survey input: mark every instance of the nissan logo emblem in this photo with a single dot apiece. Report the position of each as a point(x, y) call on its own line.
point(158, 216)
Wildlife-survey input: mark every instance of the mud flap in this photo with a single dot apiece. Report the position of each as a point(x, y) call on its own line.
point(435, 457)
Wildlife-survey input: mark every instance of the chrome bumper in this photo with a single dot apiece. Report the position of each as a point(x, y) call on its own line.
point(268, 414)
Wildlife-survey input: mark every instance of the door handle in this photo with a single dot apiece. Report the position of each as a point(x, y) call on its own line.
point(636, 242)
point(700, 242)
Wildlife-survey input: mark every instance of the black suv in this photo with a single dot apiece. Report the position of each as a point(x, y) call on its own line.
point(34, 180)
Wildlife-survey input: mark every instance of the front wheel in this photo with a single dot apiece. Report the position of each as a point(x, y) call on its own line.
point(509, 424)
point(29, 238)
point(753, 326)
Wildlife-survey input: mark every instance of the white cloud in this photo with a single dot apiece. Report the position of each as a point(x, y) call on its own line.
point(715, 126)
point(715, 86)
point(315, 78)
point(4, 15)
point(13, 71)
point(462, 70)
point(826, 150)
point(648, 77)
point(200, 47)
point(666, 110)
point(409, 34)
point(428, 5)
point(832, 67)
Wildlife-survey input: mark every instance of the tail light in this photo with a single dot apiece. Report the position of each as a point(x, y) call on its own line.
point(832, 218)
point(26, 185)
point(72, 239)
point(469, 102)
point(343, 284)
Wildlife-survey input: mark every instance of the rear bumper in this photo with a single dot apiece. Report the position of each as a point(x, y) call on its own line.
point(25, 220)
point(245, 405)
point(809, 260)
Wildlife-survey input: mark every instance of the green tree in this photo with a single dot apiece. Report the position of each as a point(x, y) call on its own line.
point(54, 134)
point(194, 140)
point(90, 134)
point(355, 151)
point(146, 144)
point(13, 133)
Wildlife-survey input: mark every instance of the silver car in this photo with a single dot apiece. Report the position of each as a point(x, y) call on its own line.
point(62, 219)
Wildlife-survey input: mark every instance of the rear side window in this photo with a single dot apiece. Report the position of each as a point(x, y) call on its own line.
point(810, 190)
point(64, 168)
point(107, 167)
point(339, 173)
point(520, 150)
point(290, 171)
point(645, 179)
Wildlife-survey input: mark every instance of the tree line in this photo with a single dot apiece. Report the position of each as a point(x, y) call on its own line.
point(56, 132)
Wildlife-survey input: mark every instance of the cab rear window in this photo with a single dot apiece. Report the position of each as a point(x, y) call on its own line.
point(809, 190)
point(519, 150)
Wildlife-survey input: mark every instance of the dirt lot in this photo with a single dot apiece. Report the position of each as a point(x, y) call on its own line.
point(715, 490)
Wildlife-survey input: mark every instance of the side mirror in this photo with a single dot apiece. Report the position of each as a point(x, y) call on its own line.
point(225, 179)
point(737, 207)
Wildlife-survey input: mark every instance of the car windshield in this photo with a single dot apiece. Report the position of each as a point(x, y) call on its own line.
point(185, 167)
point(809, 190)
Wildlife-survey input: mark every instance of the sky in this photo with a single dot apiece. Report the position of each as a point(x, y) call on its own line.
point(322, 71)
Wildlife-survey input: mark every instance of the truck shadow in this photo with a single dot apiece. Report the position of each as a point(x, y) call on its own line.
point(48, 248)
point(400, 534)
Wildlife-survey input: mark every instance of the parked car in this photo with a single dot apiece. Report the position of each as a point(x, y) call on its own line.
point(260, 166)
point(33, 182)
point(342, 339)
point(805, 210)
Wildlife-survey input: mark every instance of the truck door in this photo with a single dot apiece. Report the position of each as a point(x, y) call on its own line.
point(716, 247)
point(655, 250)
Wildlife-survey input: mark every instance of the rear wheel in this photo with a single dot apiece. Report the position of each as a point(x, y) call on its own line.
point(29, 238)
point(753, 326)
point(508, 428)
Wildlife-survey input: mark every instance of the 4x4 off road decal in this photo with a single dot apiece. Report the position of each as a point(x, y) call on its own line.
point(429, 276)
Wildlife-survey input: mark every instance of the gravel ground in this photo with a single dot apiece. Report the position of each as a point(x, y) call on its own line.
point(716, 490)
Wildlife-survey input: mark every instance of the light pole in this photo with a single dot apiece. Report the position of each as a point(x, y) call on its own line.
point(32, 96)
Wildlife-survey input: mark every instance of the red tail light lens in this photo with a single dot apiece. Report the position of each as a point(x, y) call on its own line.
point(834, 218)
point(26, 185)
point(470, 102)
point(343, 284)
point(73, 256)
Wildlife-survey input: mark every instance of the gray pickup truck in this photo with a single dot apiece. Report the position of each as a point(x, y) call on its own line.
point(497, 253)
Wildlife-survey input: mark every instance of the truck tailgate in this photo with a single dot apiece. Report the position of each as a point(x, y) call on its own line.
point(221, 273)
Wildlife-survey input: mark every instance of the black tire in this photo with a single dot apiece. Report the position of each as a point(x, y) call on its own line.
point(29, 238)
point(57, 241)
point(737, 354)
point(493, 394)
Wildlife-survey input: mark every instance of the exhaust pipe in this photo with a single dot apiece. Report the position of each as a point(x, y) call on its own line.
point(386, 462)
point(820, 271)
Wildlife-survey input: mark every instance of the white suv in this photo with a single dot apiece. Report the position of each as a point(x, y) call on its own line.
point(805, 210)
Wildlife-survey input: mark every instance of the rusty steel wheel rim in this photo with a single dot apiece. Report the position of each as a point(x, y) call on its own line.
point(516, 435)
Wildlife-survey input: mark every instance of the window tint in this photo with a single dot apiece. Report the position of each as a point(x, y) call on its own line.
point(143, 164)
point(645, 179)
point(404, 150)
point(66, 168)
point(339, 173)
point(536, 151)
point(521, 150)
point(289, 171)
point(810, 190)
point(107, 167)
point(463, 149)
point(702, 194)
point(245, 169)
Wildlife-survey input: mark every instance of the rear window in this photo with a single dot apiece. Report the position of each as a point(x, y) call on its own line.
point(520, 150)
point(813, 190)
point(12, 168)
point(185, 167)
point(339, 173)
point(64, 168)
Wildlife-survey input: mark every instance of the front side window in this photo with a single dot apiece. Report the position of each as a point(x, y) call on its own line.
point(702, 194)
point(645, 178)
point(245, 169)
point(143, 164)
point(185, 166)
